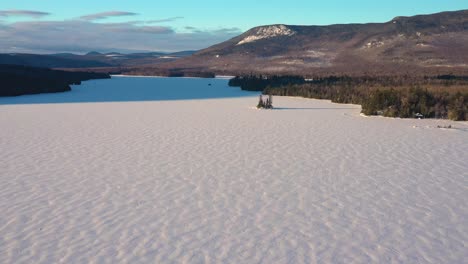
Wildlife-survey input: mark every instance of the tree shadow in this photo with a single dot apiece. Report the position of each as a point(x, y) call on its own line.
point(135, 89)
point(313, 108)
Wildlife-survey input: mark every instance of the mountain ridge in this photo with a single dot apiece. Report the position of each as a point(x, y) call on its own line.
point(423, 41)
point(92, 59)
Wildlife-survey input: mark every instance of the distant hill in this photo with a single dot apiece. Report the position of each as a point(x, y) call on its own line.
point(19, 80)
point(91, 60)
point(51, 61)
point(402, 44)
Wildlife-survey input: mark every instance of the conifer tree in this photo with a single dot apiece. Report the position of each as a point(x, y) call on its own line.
point(260, 104)
point(270, 101)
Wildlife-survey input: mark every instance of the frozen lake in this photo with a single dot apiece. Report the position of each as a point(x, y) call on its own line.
point(158, 170)
point(128, 89)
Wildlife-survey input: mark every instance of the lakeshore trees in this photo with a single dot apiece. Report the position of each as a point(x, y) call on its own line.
point(398, 96)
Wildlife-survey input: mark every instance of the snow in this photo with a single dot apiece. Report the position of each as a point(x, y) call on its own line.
point(423, 45)
point(315, 54)
point(268, 32)
point(374, 44)
point(157, 170)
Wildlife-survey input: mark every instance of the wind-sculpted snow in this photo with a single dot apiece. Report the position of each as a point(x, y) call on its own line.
point(217, 181)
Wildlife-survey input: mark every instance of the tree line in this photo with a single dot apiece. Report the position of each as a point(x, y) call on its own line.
point(442, 96)
point(19, 80)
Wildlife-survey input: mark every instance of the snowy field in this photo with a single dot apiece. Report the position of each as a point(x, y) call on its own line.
point(157, 170)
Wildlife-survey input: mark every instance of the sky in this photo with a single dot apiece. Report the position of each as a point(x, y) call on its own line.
point(53, 26)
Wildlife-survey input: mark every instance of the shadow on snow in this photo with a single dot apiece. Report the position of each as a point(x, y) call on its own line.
point(312, 108)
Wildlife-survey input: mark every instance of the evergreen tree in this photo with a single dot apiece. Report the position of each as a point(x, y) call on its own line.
point(260, 104)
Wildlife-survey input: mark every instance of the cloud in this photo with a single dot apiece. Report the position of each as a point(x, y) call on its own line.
point(171, 19)
point(233, 30)
point(104, 15)
point(27, 13)
point(81, 36)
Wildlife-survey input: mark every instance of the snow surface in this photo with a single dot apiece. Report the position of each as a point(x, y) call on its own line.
point(87, 178)
point(268, 32)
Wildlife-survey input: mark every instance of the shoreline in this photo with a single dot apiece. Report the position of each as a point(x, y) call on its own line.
point(220, 77)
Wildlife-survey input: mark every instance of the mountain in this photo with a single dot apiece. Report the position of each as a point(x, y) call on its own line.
point(93, 53)
point(50, 61)
point(437, 41)
point(115, 59)
point(91, 60)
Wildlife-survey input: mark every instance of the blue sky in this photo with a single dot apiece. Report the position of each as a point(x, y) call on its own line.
point(143, 25)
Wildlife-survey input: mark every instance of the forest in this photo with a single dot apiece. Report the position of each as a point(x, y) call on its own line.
point(20, 80)
point(405, 96)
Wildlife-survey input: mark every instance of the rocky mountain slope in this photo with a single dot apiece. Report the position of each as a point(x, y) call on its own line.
point(404, 43)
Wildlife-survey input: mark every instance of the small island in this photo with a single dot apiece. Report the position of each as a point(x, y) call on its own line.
point(265, 103)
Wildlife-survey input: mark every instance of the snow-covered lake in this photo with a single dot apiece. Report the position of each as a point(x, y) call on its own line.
point(132, 89)
point(158, 170)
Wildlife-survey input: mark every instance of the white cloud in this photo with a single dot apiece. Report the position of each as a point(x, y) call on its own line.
point(104, 15)
point(27, 13)
point(81, 36)
point(171, 19)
